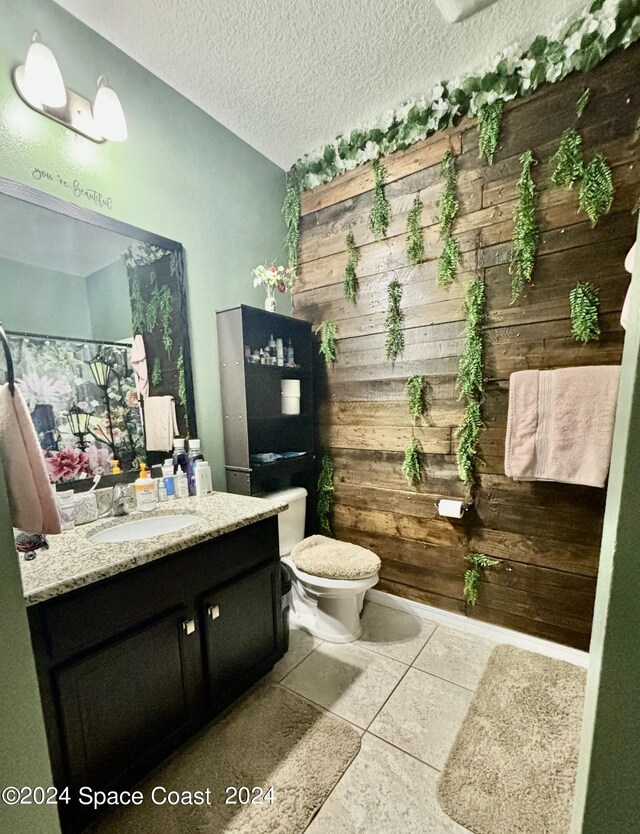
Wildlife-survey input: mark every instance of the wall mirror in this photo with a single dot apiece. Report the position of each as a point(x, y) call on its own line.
point(95, 312)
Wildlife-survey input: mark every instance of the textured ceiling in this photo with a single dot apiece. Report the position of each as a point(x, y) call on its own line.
point(289, 75)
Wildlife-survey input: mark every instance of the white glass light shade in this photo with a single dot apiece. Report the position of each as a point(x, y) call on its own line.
point(108, 114)
point(42, 77)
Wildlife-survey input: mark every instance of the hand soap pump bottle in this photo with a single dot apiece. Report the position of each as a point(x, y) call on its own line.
point(145, 487)
point(194, 455)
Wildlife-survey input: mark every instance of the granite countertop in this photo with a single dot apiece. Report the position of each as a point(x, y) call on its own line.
point(73, 561)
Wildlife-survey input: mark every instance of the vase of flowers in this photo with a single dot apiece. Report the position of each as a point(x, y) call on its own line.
point(273, 278)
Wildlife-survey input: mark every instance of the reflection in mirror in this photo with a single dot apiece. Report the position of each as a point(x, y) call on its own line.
point(96, 323)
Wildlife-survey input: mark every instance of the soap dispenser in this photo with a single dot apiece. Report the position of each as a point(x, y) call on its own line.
point(145, 487)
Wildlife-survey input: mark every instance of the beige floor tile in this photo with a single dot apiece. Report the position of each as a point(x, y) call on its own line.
point(394, 633)
point(384, 791)
point(301, 644)
point(455, 656)
point(348, 680)
point(423, 716)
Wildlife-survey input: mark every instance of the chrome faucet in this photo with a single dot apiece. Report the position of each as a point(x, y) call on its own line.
point(121, 500)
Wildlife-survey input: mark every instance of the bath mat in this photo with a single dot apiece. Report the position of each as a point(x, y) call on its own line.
point(273, 738)
point(512, 767)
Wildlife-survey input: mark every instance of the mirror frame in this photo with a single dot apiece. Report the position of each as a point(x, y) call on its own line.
point(28, 194)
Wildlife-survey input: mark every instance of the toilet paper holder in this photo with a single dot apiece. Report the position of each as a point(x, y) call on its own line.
point(454, 508)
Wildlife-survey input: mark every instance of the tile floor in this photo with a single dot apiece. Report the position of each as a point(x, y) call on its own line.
point(406, 686)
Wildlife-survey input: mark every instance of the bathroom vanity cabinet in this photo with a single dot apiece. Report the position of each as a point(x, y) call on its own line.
point(130, 666)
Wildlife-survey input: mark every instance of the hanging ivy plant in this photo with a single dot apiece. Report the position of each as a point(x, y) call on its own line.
point(585, 308)
point(450, 257)
point(583, 100)
point(350, 277)
point(156, 373)
point(567, 160)
point(182, 382)
point(394, 344)
point(138, 317)
point(489, 124)
point(525, 232)
point(415, 390)
point(328, 341)
point(411, 464)
point(291, 212)
point(415, 238)
point(596, 191)
point(471, 383)
point(474, 575)
point(325, 495)
point(380, 210)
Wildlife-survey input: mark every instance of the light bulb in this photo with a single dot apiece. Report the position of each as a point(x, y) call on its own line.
point(108, 114)
point(42, 77)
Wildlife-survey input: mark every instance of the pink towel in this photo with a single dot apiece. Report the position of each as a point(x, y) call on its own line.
point(560, 425)
point(160, 423)
point(31, 499)
point(138, 361)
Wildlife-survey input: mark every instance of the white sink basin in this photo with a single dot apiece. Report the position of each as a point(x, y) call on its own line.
point(144, 528)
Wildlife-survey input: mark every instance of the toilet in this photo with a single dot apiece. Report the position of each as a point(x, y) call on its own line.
point(326, 606)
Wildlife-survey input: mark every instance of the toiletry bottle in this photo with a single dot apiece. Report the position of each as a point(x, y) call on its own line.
point(115, 467)
point(179, 455)
point(272, 349)
point(194, 455)
point(203, 479)
point(145, 487)
point(280, 352)
point(168, 479)
point(181, 484)
point(162, 490)
point(290, 355)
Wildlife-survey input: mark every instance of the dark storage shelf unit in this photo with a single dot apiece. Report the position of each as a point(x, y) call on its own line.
point(251, 402)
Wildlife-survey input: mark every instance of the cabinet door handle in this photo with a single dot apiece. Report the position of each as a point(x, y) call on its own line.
point(213, 611)
point(189, 626)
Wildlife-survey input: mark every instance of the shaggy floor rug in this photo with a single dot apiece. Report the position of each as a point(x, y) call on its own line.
point(273, 738)
point(512, 767)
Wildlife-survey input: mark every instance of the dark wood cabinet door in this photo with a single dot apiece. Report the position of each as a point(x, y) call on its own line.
point(243, 632)
point(123, 706)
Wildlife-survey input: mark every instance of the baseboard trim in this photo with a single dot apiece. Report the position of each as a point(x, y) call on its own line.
point(488, 630)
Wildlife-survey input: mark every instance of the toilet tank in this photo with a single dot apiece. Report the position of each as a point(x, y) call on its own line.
point(291, 521)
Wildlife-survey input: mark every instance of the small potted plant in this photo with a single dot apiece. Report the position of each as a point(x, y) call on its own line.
point(273, 278)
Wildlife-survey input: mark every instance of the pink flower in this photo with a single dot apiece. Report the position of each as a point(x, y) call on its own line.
point(272, 268)
point(99, 460)
point(131, 399)
point(288, 271)
point(66, 464)
point(281, 287)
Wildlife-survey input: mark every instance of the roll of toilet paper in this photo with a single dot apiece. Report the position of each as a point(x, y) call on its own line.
point(450, 508)
point(290, 387)
point(291, 405)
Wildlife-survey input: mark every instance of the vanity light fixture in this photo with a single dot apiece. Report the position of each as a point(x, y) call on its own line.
point(39, 84)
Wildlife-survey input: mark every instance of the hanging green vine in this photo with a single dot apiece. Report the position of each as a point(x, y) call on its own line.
point(380, 210)
point(291, 213)
point(325, 494)
point(525, 232)
point(471, 383)
point(138, 317)
point(474, 575)
point(415, 237)
point(415, 389)
point(350, 277)
point(567, 160)
point(489, 124)
point(182, 382)
point(411, 463)
point(585, 309)
point(596, 191)
point(328, 341)
point(450, 257)
point(394, 344)
point(160, 309)
point(582, 102)
point(156, 373)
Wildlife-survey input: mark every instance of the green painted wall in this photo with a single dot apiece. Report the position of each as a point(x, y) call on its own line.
point(180, 174)
point(608, 783)
point(108, 295)
point(30, 297)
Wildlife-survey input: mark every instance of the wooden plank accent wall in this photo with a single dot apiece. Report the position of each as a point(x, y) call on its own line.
point(546, 536)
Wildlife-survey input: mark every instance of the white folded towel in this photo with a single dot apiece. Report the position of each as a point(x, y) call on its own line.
point(160, 423)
